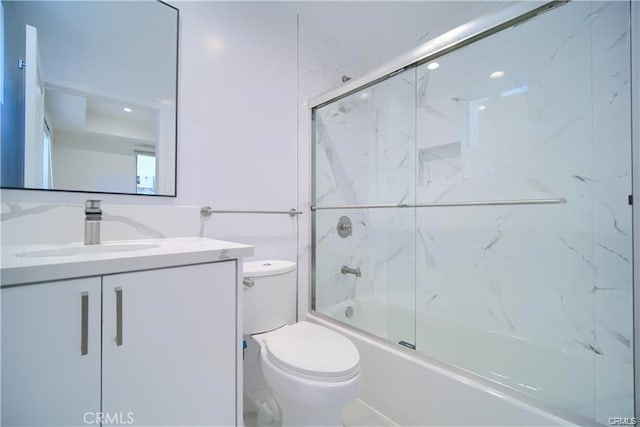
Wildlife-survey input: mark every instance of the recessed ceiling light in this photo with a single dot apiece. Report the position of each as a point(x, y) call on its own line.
point(496, 74)
point(482, 107)
point(433, 66)
point(126, 109)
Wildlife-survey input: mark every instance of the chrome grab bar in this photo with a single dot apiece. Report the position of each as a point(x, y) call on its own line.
point(557, 201)
point(206, 212)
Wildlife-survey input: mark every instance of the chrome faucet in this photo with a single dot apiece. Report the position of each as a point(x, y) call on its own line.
point(348, 270)
point(92, 220)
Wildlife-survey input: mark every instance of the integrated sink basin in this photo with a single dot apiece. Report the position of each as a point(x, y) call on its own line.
point(88, 249)
point(24, 264)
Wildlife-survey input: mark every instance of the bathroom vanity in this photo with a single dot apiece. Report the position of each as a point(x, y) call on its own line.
point(134, 332)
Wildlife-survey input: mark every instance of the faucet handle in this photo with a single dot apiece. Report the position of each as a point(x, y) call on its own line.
point(92, 207)
point(92, 203)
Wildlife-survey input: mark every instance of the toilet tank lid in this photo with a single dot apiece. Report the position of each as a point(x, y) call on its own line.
point(267, 267)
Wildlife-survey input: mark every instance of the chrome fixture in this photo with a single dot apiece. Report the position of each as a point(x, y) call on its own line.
point(348, 312)
point(206, 212)
point(119, 329)
point(92, 220)
point(348, 270)
point(248, 283)
point(344, 227)
point(558, 201)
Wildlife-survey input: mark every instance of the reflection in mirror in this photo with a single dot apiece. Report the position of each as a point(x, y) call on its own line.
point(89, 96)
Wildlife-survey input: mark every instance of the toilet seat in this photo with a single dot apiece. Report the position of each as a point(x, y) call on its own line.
point(312, 351)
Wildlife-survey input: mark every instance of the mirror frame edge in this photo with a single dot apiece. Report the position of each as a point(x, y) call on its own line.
point(175, 165)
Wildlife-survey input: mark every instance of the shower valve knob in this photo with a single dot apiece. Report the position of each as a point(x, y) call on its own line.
point(344, 227)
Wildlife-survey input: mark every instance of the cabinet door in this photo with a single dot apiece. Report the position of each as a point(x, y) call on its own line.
point(169, 345)
point(51, 353)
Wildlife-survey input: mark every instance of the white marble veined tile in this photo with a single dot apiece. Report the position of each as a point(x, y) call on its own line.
point(610, 185)
point(614, 388)
point(364, 145)
point(550, 283)
point(49, 223)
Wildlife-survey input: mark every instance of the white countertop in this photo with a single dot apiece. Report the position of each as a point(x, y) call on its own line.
point(16, 268)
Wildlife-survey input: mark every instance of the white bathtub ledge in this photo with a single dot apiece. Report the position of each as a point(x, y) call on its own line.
point(412, 390)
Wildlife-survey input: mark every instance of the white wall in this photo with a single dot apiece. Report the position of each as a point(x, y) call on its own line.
point(86, 161)
point(237, 124)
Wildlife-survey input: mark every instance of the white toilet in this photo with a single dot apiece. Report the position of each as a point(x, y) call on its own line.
point(313, 372)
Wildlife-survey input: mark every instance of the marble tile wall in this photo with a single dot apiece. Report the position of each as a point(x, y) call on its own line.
point(376, 166)
point(352, 46)
point(555, 278)
point(32, 223)
point(608, 185)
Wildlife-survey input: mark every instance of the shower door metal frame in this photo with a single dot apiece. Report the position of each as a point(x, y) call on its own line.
point(457, 38)
point(635, 173)
point(454, 39)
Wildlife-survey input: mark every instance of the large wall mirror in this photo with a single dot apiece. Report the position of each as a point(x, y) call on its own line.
point(89, 95)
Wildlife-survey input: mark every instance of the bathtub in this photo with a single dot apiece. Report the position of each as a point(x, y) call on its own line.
point(414, 389)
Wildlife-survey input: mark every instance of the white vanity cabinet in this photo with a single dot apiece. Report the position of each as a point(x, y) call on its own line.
point(168, 345)
point(50, 353)
point(151, 339)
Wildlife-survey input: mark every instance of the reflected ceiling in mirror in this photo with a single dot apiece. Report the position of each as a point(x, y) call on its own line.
point(90, 96)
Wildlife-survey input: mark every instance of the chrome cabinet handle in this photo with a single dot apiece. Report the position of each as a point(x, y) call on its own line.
point(118, 316)
point(84, 328)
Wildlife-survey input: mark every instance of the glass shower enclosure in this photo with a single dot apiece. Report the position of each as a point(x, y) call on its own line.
point(474, 205)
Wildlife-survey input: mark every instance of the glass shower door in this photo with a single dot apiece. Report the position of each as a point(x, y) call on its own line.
point(364, 155)
point(535, 296)
point(475, 207)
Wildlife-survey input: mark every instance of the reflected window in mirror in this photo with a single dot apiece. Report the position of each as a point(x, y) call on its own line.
point(98, 82)
point(145, 172)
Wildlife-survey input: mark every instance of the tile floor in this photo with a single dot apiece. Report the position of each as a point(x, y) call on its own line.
point(361, 414)
point(358, 414)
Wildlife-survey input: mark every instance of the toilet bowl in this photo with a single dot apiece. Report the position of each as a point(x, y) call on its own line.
point(313, 372)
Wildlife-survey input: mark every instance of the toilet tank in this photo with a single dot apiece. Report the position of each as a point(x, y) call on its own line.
point(269, 295)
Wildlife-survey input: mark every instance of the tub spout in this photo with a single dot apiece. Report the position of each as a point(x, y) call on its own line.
point(348, 270)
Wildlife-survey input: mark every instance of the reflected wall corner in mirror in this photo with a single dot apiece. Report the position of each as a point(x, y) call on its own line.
point(89, 93)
